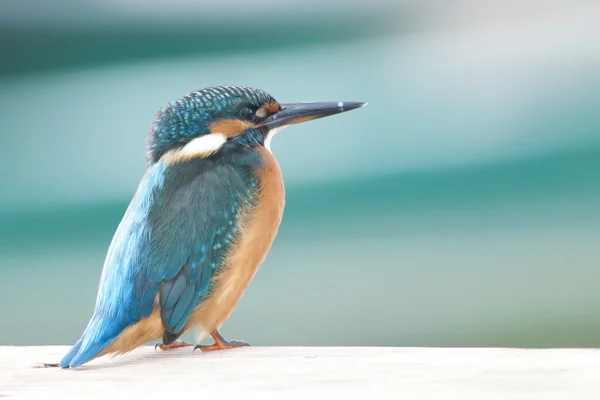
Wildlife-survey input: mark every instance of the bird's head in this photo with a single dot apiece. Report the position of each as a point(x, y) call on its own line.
point(203, 122)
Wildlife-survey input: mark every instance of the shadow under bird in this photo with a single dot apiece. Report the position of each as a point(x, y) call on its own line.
point(201, 222)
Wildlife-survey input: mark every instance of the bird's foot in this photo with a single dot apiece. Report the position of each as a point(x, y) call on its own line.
point(228, 344)
point(175, 345)
point(221, 344)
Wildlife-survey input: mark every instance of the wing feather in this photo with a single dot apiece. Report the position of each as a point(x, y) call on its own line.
point(171, 243)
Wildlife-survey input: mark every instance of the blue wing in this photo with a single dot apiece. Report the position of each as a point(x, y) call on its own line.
point(171, 242)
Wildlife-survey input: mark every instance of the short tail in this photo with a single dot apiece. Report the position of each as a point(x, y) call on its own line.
point(98, 335)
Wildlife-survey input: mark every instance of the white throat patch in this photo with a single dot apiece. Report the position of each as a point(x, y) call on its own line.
point(270, 135)
point(202, 146)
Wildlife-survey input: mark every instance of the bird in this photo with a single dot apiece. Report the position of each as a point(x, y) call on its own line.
point(201, 222)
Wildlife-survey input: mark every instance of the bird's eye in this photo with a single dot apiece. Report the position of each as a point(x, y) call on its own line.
point(247, 113)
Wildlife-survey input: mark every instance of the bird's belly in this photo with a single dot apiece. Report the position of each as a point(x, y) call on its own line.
point(258, 229)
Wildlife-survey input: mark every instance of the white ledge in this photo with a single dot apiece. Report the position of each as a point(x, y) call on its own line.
point(295, 372)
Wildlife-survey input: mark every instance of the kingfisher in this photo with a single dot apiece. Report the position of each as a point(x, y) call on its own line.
point(200, 223)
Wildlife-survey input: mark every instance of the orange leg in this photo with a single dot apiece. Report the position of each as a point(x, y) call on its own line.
point(221, 343)
point(174, 345)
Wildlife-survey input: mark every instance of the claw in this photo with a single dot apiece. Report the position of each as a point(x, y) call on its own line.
point(232, 344)
point(174, 345)
point(220, 343)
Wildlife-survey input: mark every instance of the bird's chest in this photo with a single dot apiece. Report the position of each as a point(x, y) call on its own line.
point(258, 228)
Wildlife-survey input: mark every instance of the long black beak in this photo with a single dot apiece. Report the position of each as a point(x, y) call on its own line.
point(302, 112)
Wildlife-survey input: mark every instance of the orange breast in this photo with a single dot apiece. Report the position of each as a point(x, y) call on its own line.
point(258, 229)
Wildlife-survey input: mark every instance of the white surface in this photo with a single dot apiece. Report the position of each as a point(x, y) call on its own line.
point(295, 372)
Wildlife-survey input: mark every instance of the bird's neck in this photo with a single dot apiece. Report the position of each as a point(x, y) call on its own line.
point(239, 159)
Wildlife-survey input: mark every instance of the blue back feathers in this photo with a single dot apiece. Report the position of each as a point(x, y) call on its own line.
point(171, 242)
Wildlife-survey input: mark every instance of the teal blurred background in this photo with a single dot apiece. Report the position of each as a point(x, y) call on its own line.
point(460, 208)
